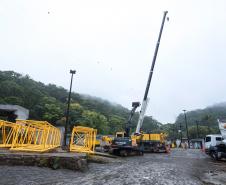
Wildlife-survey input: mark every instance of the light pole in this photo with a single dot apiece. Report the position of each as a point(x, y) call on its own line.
point(207, 122)
point(185, 119)
point(68, 108)
point(175, 132)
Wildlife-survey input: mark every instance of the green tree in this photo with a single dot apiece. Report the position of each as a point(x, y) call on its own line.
point(116, 123)
point(11, 88)
point(171, 130)
point(95, 120)
point(50, 109)
point(202, 131)
point(76, 111)
point(13, 100)
point(49, 102)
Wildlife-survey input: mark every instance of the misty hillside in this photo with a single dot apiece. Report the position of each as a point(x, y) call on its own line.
point(207, 116)
point(203, 120)
point(48, 102)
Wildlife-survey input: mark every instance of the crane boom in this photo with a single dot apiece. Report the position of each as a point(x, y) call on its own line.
point(145, 99)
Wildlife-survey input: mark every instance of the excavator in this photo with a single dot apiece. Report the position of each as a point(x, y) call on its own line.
point(125, 144)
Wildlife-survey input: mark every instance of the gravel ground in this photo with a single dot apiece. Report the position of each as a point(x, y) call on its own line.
point(179, 167)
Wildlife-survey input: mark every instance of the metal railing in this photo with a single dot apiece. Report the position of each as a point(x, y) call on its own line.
point(83, 139)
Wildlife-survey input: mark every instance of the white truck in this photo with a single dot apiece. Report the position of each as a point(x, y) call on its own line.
point(215, 145)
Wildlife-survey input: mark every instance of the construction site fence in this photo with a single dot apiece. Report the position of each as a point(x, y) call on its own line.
point(29, 135)
point(83, 139)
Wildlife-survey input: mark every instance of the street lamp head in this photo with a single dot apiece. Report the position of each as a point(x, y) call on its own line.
point(72, 71)
point(184, 110)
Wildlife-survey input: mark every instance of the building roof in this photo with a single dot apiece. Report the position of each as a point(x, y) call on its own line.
point(20, 112)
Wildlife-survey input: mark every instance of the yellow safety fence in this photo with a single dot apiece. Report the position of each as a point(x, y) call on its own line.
point(7, 133)
point(30, 135)
point(83, 139)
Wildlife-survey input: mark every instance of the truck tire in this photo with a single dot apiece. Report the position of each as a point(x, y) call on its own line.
point(123, 153)
point(214, 155)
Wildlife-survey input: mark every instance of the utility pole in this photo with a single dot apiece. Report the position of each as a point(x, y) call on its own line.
point(175, 132)
point(68, 108)
point(208, 123)
point(197, 128)
point(185, 119)
point(180, 134)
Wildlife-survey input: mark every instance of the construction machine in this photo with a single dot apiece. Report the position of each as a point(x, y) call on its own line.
point(105, 142)
point(152, 142)
point(125, 144)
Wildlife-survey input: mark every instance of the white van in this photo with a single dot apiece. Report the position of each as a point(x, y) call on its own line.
point(212, 140)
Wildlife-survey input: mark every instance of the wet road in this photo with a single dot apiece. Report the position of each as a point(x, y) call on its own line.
point(179, 167)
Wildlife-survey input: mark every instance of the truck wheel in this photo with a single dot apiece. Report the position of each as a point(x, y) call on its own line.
point(123, 153)
point(215, 155)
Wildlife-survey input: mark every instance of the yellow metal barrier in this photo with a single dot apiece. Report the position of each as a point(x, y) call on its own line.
point(35, 136)
point(7, 133)
point(83, 139)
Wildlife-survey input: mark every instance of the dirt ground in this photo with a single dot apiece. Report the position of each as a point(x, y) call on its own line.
point(179, 167)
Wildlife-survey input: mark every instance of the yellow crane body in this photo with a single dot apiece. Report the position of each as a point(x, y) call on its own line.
point(152, 137)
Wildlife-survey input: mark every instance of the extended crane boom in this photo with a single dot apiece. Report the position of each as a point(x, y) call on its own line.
point(145, 99)
point(125, 144)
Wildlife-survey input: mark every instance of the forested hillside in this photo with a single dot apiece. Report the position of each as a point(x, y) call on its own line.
point(200, 122)
point(48, 102)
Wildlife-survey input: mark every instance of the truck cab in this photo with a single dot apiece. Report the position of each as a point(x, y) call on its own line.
point(215, 146)
point(120, 134)
point(212, 140)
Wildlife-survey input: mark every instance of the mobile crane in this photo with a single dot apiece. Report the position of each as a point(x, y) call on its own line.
point(124, 144)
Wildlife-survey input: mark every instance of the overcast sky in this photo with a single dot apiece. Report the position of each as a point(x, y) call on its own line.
point(111, 44)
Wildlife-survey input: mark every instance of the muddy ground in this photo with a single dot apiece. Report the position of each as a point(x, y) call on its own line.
point(179, 167)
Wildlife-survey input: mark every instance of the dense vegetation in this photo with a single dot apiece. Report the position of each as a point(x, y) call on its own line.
point(48, 102)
